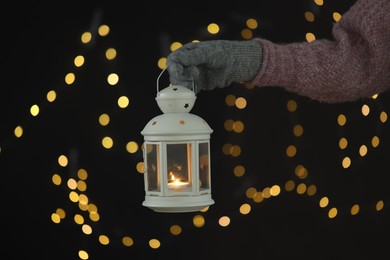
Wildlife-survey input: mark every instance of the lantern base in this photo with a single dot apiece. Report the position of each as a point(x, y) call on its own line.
point(176, 204)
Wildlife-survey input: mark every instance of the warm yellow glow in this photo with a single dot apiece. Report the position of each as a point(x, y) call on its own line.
point(56, 179)
point(363, 150)
point(319, 2)
point(379, 205)
point(301, 188)
point(140, 167)
point(34, 110)
point(239, 171)
point(383, 117)
point(298, 130)
point(275, 190)
point(175, 230)
point(291, 151)
point(311, 190)
point(61, 213)
point(104, 119)
point(55, 218)
point(73, 196)
point(375, 141)
point(103, 30)
point(51, 96)
point(258, 198)
point(83, 199)
point(246, 34)
point(226, 149)
point(250, 192)
point(87, 229)
point(83, 207)
point(72, 184)
point(355, 209)
point(63, 160)
point(324, 202)
point(309, 16)
point(82, 174)
point(94, 216)
point(86, 37)
point(213, 28)
point(83, 255)
point(127, 241)
point(365, 110)
point(228, 125)
point(111, 53)
point(301, 172)
point(332, 213)
point(292, 105)
point(198, 221)
point(81, 185)
point(176, 183)
point(336, 16)
point(343, 143)
point(205, 209)
point(70, 78)
point(79, 60)
point(78, 219)
point(230, 100)
point(310, 37)
point(113, 79)
point(241, 103)
point(149, 148)
point(132, 147)
point(154, 243)
point(18, 132)
point(238, 126)
point(224, 221)
point(107, 142)
point(251, 23)
point(123, 102)
point(346, 163)
point(92, 208)
point(245, 209)
point(266, 192)
point(104, 240)
point(235, 151)
point(289, 185)
point(162, 63)
point(175, 45)
point(341, 120)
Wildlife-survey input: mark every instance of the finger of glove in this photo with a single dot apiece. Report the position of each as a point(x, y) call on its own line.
point(192, 54)
point(189, 78)
point(175, 69)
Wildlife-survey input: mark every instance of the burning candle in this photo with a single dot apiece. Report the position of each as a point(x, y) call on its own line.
point(175, 183)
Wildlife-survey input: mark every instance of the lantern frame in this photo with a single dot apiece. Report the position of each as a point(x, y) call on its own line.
point(188, 138)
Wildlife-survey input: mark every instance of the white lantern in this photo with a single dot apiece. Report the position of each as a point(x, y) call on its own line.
point(176, 154)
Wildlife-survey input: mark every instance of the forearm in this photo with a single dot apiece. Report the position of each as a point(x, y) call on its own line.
point(356, 64)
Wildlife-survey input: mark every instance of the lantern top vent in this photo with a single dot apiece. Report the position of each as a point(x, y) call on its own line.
point(175, 99)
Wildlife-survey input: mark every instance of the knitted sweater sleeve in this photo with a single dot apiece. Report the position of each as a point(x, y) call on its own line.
point(354, 64)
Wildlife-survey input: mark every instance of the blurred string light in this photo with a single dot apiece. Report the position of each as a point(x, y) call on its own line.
point(300, 185)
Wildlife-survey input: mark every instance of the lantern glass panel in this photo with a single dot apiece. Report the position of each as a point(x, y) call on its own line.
point(179, 167)
point(153, 182)
point(204, 166)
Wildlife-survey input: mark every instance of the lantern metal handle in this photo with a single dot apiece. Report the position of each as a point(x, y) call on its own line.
point(159, 76)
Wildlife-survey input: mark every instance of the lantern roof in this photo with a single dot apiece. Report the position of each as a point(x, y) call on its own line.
point(176, 123)
point(177, 126)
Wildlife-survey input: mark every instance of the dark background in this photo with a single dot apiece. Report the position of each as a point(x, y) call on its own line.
point(40, 42)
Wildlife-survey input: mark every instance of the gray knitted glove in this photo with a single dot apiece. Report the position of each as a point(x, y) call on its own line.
point(215, 63)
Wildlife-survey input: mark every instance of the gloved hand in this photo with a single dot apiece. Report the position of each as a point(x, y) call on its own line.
point(215, 63)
